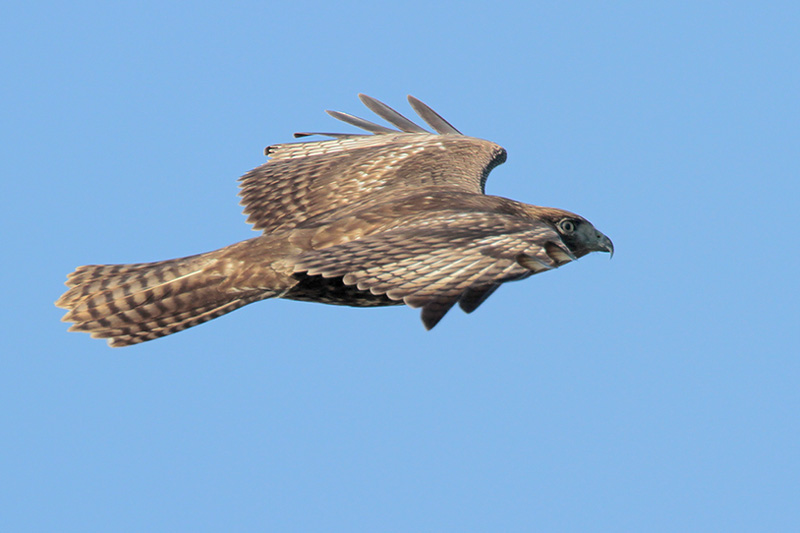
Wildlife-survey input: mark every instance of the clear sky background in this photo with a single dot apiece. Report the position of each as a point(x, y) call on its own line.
point(657, 391)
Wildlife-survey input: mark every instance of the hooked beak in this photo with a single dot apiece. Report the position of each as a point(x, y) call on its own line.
point(604, 244)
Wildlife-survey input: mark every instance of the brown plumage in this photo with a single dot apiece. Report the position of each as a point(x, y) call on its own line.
point(396, 217)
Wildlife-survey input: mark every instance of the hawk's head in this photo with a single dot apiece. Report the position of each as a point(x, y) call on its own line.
point(577, 233)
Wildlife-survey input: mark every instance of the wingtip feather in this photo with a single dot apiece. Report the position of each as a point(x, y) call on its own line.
point(390, 115)
point(431, 117)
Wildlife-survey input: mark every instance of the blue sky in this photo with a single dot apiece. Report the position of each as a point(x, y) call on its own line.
point(654, 392)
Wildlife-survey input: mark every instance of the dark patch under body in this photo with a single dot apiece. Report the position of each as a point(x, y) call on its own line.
point(334, 291)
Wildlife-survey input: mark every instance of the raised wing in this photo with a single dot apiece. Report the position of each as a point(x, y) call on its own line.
point(448, 259)
point(311, 181)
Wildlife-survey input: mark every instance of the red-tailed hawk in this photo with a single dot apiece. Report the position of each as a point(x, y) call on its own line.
point(386, 218)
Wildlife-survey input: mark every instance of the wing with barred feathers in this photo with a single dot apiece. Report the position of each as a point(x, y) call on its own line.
point(449, 259)
point(310, 181)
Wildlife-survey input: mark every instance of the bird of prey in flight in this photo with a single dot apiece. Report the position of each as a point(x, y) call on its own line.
point(390, 217)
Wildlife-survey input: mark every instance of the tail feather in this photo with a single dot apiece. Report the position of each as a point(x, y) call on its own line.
point(125, 336)
point(135, 301)
point(90, 280)
point(128, 304)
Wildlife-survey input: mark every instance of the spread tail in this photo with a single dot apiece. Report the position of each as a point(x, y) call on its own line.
point(128, 304)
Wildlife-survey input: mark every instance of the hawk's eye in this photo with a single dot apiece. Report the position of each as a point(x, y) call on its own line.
point(566, 226)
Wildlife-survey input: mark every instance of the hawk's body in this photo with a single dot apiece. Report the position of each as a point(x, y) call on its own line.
point(361, 220)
